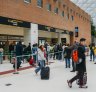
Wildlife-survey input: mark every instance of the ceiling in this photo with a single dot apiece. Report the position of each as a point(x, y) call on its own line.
point(87, 5)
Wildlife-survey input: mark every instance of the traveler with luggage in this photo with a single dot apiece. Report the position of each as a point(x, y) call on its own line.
point(41, 59)
point(79, 59)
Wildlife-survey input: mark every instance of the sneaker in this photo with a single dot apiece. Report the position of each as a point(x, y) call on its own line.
point(83, 86)
point(69, 84)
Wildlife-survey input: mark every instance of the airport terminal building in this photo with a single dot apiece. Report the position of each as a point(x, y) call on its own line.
point(38, 21)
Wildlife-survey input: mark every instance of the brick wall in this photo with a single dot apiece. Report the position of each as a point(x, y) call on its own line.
point(17, 9)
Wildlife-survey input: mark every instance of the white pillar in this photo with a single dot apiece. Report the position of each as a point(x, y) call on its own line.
point(31, 35)
point(59, 37)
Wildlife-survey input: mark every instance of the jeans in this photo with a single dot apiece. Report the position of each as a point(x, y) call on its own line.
point(67, 62)
point(42, 64)
point(19, 59)
point(91, 55)
point(60, 56)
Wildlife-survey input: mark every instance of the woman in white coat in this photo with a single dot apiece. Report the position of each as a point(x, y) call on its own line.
point(41, 59)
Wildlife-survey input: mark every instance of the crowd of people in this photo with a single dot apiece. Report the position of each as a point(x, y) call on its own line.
point(58, 51)
point(41, 54)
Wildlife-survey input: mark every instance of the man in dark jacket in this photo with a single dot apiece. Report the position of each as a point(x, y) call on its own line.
point(19, 52)
point(81, 66)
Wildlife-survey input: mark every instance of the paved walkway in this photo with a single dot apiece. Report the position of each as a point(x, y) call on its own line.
point(28, 81)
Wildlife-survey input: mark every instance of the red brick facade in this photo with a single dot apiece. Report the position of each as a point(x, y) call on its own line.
point(17, 9)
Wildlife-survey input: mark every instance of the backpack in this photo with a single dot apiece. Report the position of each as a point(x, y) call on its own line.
point(75, 56)
point(65, 53)
point(31, 61)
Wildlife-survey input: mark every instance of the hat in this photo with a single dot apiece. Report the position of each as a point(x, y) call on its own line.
point(82, 39)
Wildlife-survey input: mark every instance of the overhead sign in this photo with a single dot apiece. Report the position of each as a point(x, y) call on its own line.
point(14, 22)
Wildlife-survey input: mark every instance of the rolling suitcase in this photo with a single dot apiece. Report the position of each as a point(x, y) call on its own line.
point(45, 73)
point(84, 81)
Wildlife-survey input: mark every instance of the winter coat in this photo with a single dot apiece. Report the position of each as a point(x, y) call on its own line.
point(19, 49)
point(81, 54)
point(41, 55)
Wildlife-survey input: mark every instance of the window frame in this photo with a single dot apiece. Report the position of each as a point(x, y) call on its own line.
point(63, 13)
point(48, 6)
point(56, 10)
point(72, 18)
point(40, 3)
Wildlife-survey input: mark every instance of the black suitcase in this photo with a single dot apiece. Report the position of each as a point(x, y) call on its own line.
point(45, 73)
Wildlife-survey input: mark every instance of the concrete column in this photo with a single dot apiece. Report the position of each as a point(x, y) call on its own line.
point(31, 35)
point(59, 37)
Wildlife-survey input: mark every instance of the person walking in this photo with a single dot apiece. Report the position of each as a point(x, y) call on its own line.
point(41, 59)
point(81, 66)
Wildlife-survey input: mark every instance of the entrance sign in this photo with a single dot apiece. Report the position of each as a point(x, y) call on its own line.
point(14, 22)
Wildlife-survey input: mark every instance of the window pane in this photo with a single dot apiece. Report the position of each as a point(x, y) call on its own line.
point(49, 7)
point(40, 3)
point(72, 18)
point(56, 10)
point(63, 13)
